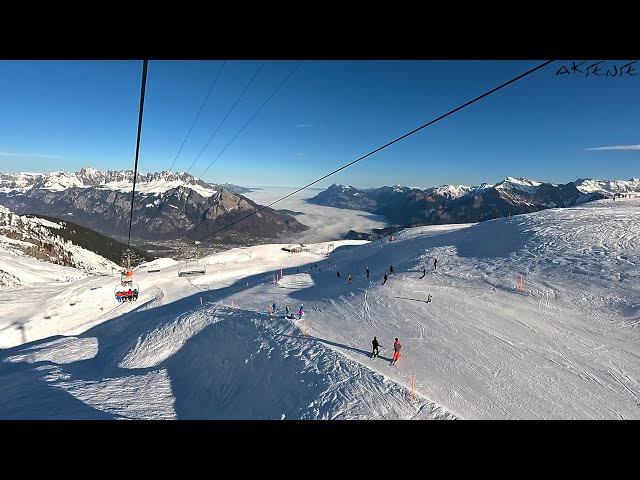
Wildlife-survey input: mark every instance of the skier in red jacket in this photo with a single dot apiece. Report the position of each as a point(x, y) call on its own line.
point(396, 351)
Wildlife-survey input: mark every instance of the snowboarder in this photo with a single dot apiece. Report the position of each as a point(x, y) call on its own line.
point(429, 298)
point(375, 344)
point(349, 279)
point(286, 308)
point(424, 272)
point(396, 351)
point(367, 272)
point(385, 279)
point(391, 269)
point(435, 263)
point(301, 311)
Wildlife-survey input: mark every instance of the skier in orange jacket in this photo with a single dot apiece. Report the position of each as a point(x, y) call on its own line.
point(396, 351)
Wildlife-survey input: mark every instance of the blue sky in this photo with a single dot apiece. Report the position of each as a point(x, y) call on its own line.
point(57, 115)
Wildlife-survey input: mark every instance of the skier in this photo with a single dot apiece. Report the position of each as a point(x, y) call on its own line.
point(385, 279)
point(338, 273)
point(375, 344)
point(424, 272)
point(275, 307)
point(286, 308)
point(429, 298)
point(391, 269)
point(367, 272)
point(435, 263)
point(349, 278)
point(396, 351)
point(301, 311)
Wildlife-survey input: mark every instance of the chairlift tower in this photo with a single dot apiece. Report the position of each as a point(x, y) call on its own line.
point(127, 275)
point(127, 289)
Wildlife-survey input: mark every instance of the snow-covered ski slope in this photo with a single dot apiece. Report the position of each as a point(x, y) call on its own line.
point(566, 346)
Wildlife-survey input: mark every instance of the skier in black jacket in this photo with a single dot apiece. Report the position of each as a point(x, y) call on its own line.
point(375, 344)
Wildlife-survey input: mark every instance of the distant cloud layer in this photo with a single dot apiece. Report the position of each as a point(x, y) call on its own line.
point(303, 125)
point(619, 147)
point(9, 154)
point(325, 223)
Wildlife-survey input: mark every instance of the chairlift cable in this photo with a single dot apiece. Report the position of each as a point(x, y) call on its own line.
point(135, 168)
point(528, 72)
point(252, 117)
point(228, 113)
point(244, 126)
point(198, 114)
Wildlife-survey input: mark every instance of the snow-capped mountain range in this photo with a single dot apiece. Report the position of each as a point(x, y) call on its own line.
point(176, 205)
point(609, 187)
point(445, 204)
point(122, 181)
point(584, 185)
point(167, 205)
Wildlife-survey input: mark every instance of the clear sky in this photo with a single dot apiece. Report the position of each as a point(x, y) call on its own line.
point(57, 115)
